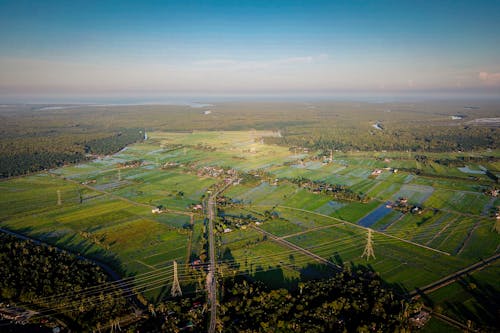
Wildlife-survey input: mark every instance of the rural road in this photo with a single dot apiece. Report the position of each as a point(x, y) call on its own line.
point(211, 280)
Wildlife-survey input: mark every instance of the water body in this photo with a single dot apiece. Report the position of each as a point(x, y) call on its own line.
point(466, 169)
point(374, 216)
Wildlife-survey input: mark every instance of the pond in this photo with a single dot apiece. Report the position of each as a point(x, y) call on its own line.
point(374, 216)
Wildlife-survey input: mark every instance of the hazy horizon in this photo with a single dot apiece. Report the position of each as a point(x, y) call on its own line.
point(84, 50)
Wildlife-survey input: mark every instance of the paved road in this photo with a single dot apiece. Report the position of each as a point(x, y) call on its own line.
point(211, 278)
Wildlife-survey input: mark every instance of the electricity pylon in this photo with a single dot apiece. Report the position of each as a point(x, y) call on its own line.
point(368, 252)
point(176, 287)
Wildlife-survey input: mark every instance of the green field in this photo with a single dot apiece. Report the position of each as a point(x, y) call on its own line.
point(105, 211)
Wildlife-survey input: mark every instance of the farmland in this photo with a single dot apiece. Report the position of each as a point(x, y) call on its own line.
point(425, 226)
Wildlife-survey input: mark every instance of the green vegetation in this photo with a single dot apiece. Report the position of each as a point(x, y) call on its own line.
point(474, 297)
point(37, 137)
point(34, 274)
point(141, 208)
point(351, 302)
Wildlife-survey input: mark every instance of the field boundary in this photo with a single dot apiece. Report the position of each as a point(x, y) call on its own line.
point(364, 228)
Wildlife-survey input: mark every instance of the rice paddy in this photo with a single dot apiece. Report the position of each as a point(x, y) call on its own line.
point(103, 209)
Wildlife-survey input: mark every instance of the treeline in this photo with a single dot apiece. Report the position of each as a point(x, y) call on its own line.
point(115, 142)
point(15, 164)
point(397, 137)
point(54, 281)
point(33, 154)
point(348, 302)
point(64, 134)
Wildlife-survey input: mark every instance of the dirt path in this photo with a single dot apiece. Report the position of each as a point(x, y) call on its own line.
point(450, 278)
point(298, 248)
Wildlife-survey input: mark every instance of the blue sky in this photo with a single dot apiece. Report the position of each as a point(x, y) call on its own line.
point(52, 48)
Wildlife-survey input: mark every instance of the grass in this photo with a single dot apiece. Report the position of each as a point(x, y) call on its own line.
point(111, 219)
point(474, 297)
point(464, 202)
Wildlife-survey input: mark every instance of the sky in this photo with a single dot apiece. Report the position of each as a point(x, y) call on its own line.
point(54, 49)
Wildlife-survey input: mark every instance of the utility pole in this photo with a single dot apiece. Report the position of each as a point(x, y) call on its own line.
point(59, 201)
point(368, 252)
point(176, 287)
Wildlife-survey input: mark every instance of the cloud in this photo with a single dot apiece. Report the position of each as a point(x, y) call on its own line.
point(489, 78)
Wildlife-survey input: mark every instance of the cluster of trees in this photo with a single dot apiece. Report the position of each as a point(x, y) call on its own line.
point(340, 192)
point(348, 302)
point(50, 279)
point(177, 315)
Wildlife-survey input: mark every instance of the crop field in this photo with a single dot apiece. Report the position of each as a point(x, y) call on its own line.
point(466, 297)
point(465, 202)
point(102, 209)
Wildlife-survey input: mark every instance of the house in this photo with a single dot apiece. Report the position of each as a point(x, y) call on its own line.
point(416, 210)
point(403, 201)
point(156, 210)
point(420, 319)
point(227, 230)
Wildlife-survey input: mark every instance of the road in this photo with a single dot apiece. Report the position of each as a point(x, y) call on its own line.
point(211, 213)
point(211, 277)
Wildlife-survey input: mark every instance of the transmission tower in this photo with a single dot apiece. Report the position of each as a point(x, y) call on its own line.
point(368, 252)
point(59, 201)
point(176, 287)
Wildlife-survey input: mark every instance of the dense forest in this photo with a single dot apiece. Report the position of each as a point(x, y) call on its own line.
point(36, 137)
point(24, 155)
point(43, 277)
point(355, 300)
point(351, 301)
